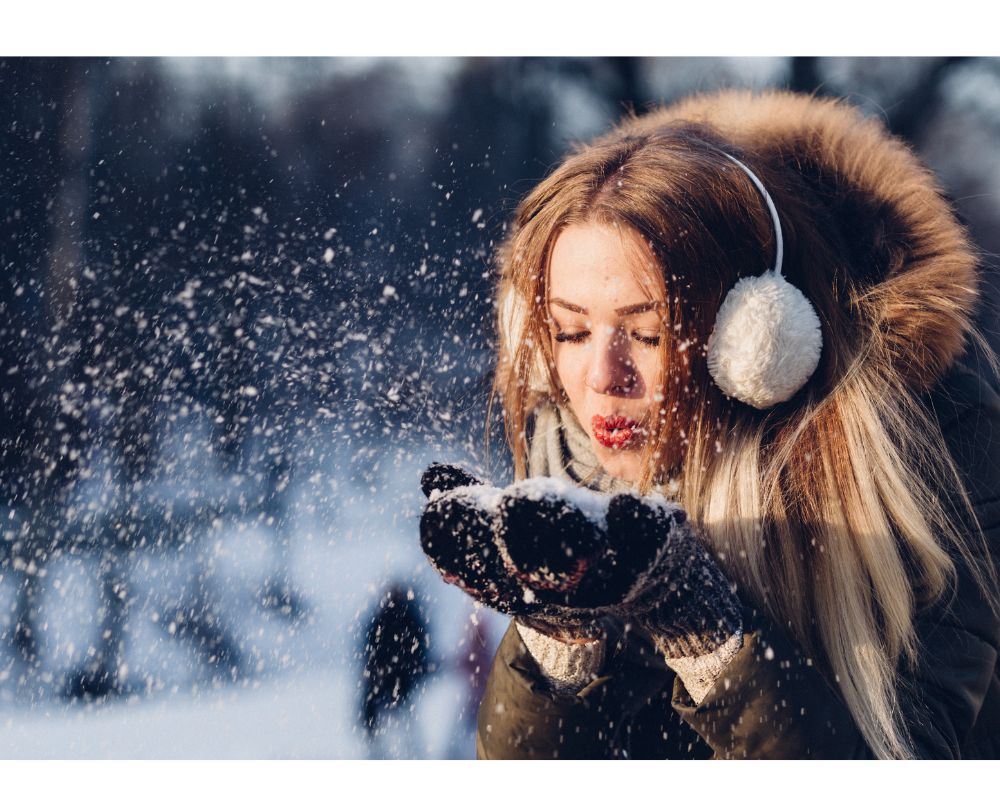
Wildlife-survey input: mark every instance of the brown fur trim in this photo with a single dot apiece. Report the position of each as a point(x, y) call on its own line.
point(914, 272)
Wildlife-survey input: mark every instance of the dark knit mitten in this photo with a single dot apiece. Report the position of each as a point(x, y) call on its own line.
point(634, 557)
point(463, 536)
point(682, 597)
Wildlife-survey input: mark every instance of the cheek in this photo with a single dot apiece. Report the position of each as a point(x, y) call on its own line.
point(649, 368)
point(572, 365)
point(571, 368)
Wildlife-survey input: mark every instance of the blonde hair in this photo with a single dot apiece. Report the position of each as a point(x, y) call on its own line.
point(840, 510)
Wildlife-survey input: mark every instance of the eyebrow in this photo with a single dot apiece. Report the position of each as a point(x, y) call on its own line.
point(624, 311)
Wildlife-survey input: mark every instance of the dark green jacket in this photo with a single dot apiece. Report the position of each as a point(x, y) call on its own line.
point(771, 702)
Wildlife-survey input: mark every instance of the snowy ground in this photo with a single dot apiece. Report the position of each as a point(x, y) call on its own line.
point(340, 546)
point(307, 716)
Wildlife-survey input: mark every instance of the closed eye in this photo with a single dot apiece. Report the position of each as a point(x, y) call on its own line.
point(649, 341)
point(572, 337)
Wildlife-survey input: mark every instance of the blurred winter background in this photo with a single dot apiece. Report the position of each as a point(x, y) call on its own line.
point(243, 303)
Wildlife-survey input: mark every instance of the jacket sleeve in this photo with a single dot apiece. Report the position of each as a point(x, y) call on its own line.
point(771, 702)
point(960, 638)
point(520, 717)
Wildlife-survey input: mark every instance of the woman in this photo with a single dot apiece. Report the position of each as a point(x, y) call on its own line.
point(819, 580)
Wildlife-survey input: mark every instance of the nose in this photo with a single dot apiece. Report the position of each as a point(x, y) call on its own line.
point(611, 370)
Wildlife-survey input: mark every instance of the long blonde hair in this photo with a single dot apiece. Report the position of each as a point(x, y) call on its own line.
point(828, 510)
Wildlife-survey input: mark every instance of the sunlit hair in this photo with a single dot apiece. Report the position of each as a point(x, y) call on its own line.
point(827, 510)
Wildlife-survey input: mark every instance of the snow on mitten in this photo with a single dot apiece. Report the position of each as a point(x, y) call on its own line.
point(555, 539)
point(458, 533)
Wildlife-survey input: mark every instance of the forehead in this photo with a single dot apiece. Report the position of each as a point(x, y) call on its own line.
point(600, 266)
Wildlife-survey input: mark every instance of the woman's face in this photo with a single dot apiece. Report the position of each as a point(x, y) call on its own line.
point(605, 326)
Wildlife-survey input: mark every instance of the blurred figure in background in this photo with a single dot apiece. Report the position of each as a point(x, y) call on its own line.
point(396, 660)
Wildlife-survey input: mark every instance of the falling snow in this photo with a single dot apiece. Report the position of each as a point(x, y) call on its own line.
point(242, 306)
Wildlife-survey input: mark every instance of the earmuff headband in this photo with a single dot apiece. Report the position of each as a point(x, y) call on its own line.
point(767, 337)
point(779, 255)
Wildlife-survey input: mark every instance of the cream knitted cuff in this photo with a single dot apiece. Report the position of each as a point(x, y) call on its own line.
point(567, 668)
point(699, 673)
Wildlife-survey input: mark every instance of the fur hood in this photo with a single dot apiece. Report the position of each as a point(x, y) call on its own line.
point(914, 261)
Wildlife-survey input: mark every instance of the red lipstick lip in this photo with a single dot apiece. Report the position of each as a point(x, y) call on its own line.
point(613, 431)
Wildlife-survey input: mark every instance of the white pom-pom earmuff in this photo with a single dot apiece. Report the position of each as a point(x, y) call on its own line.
point(766, 341)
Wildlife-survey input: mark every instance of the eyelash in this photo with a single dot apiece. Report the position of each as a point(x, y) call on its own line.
point(649, 341)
